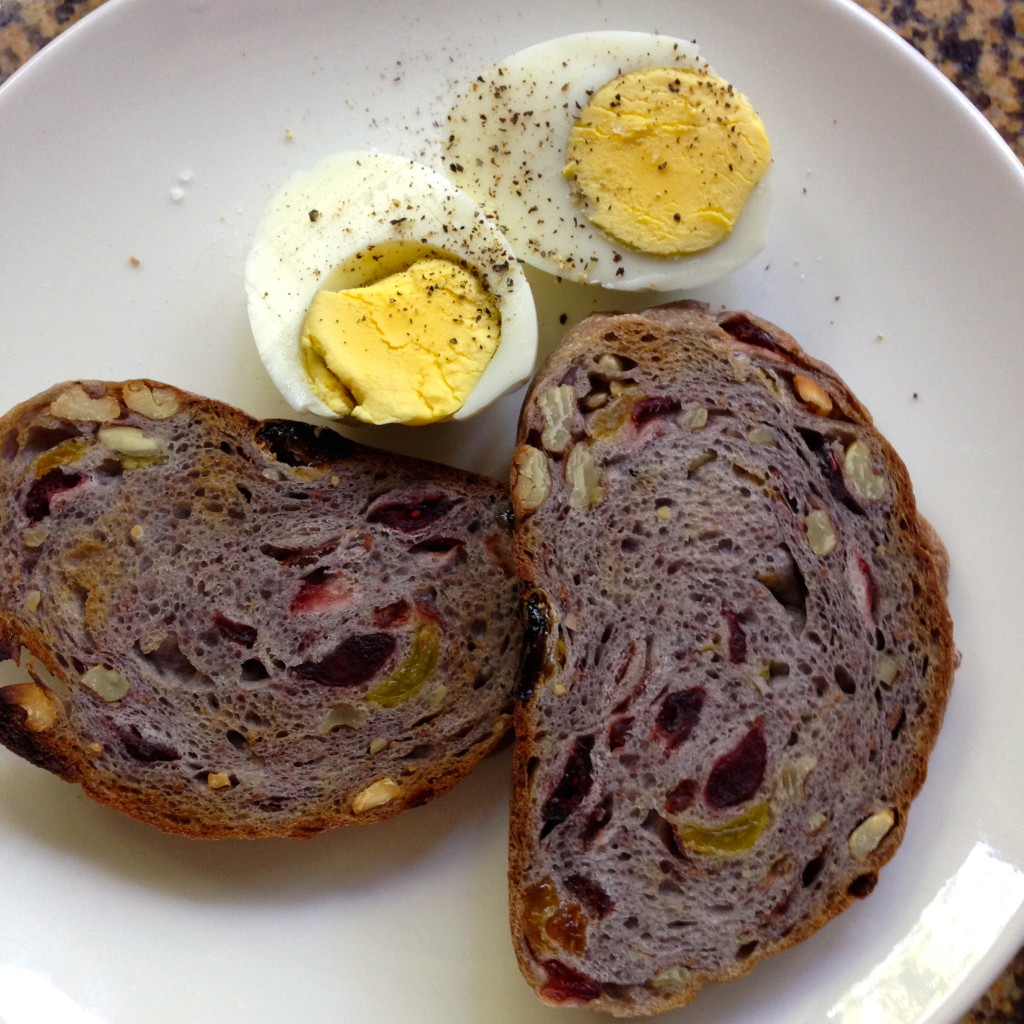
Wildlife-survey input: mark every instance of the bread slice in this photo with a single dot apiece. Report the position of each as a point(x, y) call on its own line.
point(738, 656)
point(250, 628)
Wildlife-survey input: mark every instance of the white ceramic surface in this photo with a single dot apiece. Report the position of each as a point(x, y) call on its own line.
point(155, 130)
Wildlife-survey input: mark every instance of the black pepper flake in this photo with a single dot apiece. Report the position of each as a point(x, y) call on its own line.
point(314, 216)
point(563, 318)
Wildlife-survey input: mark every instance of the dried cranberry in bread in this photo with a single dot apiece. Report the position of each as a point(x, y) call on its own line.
point(255, 628)
point(739, 654)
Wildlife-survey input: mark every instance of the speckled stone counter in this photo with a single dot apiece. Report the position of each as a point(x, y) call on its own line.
point(978, 44)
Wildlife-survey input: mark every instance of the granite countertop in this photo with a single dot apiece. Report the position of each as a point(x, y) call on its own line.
point(978, 44)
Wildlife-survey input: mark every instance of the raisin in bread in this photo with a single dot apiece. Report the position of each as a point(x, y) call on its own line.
point(249, 628)
point(738, 656)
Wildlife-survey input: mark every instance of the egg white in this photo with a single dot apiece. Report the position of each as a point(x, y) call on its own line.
point(506, 145)
point(340, 225)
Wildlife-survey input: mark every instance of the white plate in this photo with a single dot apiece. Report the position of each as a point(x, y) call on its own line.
point(156, 129)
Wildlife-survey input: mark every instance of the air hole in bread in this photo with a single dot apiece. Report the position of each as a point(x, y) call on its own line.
point(682, 924)
point(9, 450)
point(272, 804)
point(681, 796)
point(744, 473)
point(590, 894)
point(477, 627)
point(598, 820)
point(700, 460)
point(900, 722)
point(45, 488)
point(411, 512)
point(812, 869)
point(170, 662)
point(662, 830)
point(144, 748)
point(240, 633)
point(39, 439)
point(236, 739)
point(439, 546)
point(828, 465)
point(845, 680)
point(302, 444)
point(653, 408)
point(421, 752)
point(743, 329)
point(862, 885)
point(108, 469)
point(678, 716)
point(785, 582)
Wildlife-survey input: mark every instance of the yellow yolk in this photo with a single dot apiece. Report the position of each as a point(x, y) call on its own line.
point(406, 349)
point(664, 159)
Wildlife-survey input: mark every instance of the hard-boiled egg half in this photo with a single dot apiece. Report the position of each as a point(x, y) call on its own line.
point(615, 158)
point(378, 292)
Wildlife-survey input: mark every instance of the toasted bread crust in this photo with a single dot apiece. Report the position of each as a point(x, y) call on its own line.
point(247, 628)
point(738, 656)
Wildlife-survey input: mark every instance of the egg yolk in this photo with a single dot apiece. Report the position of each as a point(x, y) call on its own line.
point(406, 349)
point(664, 159)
